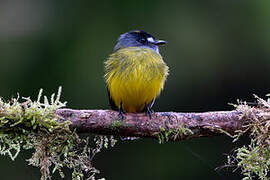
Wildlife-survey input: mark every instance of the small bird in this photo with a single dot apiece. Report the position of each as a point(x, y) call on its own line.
point(135, 73)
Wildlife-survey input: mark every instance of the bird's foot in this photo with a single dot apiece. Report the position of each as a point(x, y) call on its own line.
point(167, 114)
point(148, 111)
point(122, 113)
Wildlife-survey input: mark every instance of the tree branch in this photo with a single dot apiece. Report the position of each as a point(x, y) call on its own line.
point(107, 122)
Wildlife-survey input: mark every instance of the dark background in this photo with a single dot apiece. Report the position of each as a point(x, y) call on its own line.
point(217, 51)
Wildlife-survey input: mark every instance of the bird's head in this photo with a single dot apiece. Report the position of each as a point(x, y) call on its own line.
point(138, 38)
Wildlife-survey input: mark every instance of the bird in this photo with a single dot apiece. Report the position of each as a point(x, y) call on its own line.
point(135, 73)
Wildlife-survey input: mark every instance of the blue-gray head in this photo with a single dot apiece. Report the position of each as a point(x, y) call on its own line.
point(138, 38)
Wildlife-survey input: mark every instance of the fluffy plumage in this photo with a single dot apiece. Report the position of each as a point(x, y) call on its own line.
point(134, 76)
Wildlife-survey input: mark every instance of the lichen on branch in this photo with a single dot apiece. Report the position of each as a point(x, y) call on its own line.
point(34, 125)
point(51, 132)
point(254, 159)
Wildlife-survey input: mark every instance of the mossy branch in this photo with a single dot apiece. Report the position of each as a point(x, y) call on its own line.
point(33, 125)
point(253, 160)
point(51, 132)
point(176, 126)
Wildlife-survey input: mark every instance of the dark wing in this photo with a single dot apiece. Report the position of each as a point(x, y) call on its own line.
point(112, 104)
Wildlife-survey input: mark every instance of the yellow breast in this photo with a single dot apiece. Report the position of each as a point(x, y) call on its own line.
point(135, 76)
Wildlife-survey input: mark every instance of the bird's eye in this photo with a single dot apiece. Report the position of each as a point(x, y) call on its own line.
point(142, 40)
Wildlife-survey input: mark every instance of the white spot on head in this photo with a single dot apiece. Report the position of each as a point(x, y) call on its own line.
point(151, 40)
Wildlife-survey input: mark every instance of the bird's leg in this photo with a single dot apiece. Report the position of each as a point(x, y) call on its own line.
point(122, 113)
point(148, 110)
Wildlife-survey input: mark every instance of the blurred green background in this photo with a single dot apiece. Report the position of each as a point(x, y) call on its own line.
point(217, 51)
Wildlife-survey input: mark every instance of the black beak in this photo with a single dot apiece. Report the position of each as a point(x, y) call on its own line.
point(160, 42)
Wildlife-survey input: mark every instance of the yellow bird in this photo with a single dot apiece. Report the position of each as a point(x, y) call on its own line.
point(135, 73)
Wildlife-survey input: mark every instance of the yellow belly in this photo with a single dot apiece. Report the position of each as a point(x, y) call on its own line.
point(135, 76)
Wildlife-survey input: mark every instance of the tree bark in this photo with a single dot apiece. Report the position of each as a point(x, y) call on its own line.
point(107, 122)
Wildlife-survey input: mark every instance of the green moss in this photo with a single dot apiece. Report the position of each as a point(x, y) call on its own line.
point(254, 159)
point(172, 134)
point(117, 123)
point(33, 125)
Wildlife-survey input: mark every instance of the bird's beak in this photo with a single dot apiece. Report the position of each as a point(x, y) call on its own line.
point(160, 42)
